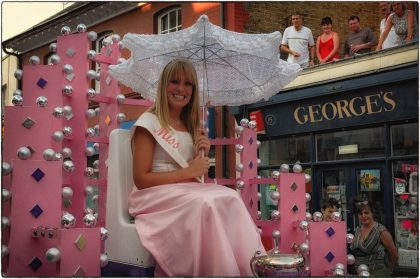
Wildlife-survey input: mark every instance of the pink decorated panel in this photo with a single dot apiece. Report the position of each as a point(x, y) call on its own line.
point(328, 247)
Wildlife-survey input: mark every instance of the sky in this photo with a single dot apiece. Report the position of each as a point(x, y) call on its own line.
point(19, 16)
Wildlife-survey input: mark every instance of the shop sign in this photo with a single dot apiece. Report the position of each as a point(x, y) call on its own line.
point(367, 106)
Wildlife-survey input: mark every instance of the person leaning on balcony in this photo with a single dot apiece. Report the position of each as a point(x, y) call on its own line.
point(327, 43)
point(298, 42)
point(404, 22)
point(360, 40)
point(392, 40)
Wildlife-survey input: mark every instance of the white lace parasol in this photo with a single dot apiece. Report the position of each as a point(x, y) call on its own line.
point(233, 68)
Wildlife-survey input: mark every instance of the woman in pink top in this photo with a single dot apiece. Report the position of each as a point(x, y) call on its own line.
point(327, 43)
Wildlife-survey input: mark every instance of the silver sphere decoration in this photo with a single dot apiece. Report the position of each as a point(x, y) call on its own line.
point(103, 260)
point(68, 166)
point(116, 38)
point(361, 268)
point(239, 130)
point(53, 255)
point(307, 178)
point(120, 98)
point(413, 207)
point(104, 233)
point(91, 55)
point(53, 47)
point(68, 69)
point(66, 152)
point(349, 238)
point(89, 190)
point(34, 60)
point(42, 101)
point(339, 266)
point(338, 272)
point(96, 127)
point(89, 172)
point(91, 74)
point(88, 211)
point(350, 259)
point(239, 148)
point(68, 220)
point(68, 111)
point(6, 168)
point(106, 42)
point(336, 216)
point(364, 273)
point(98, 76)
point(5, 223)
point(308, 197)
point(275, 215)
point(121, 45)
point(239, 167)
point(48, 154)
point(92, 36)
point(90, 113)
point(81, 28)
point(304, 248)
point(317, 216)
point(240, 184)
point(96, 162)
point(58, 156)
point(17, 100)
point(17, 92)
point(4, 251)
point(89, 151)
point(67, 131)
point(5, 195)
point(303, 225)
point(58, 112)
point(89, 220)
point(18, 74)
point(244, 122)
point(284, 168)
point(297, 168)
point(259, 195)
point(252, 124)
point(55, 59)
point(65, 30)
point(58, 136)
point(258, 144)
point(24, 153)
point(258, 215)
point(67, 90)
point(67, 192)
point(275, 174)
point(97, 112)
point(90, 132)
point(91, 93)
point(96, 147)
point(274, 195)
point(308, 216)
point(121, 117)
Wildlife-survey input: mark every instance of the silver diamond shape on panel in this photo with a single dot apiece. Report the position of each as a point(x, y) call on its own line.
point(70, 77)
point(293, 187)
point(108, 80)
point(108, 51)
point(28, 123)
point(70, 52)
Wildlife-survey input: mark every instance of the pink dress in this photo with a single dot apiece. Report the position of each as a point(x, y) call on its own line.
point(194, 229)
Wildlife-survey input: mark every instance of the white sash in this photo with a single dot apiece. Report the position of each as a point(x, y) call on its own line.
point(164, 137)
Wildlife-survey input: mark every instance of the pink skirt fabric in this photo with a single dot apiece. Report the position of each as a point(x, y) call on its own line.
point(195, 229)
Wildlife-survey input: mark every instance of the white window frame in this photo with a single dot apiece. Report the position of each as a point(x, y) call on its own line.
point(178, 25)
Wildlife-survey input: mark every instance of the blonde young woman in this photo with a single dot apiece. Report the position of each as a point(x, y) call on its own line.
point(327, 43)
point(404, 22)
point(190, 228)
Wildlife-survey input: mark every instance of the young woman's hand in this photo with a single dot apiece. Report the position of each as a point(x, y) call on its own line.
point(199, 166)
point(202, 142)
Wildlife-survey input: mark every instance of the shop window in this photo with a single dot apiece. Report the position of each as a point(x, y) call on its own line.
point(285, 151)
point(170, 21)
point(354, 144)
point(405, 139)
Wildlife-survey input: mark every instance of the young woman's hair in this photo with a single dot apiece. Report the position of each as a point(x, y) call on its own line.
point(326, 20)
point(190, 114)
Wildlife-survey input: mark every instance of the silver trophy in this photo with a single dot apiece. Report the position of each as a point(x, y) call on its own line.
point(275, 264)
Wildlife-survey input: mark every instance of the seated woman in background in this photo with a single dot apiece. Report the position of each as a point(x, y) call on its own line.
point(404, 22)
point(190, 228)
point(373, 244)
point(327, 43)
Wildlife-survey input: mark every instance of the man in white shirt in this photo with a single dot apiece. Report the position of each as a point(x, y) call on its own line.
point(392, 39)
point(299, 43)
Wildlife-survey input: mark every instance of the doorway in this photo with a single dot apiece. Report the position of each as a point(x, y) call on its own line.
point(347, 182)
